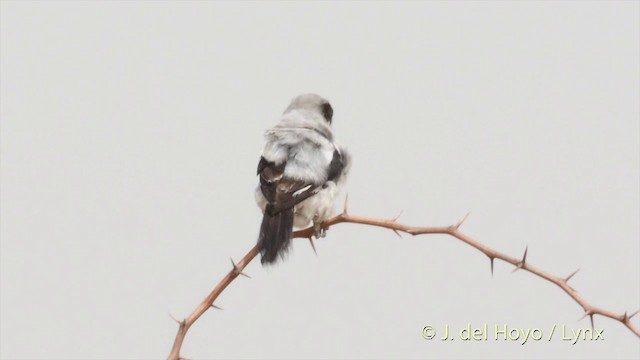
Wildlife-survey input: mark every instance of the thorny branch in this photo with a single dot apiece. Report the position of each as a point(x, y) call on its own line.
point(392, 224)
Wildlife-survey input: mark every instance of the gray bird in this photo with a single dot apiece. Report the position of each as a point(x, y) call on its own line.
point(302, 169)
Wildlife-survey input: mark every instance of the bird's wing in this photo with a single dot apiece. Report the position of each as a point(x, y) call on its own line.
point(336, 166)
point(281, 192)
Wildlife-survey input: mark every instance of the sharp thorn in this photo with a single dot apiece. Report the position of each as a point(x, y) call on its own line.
point(591, 316)
point(625, 317)
point(237, 271)
point(345, 211)
point(586, 313)
point(491, 259)
point(461, 221)
point(176, 319)
point(521, 264)
point(397, 216)
point(634, 314)
point(313, 246)
point(570, 276)
point(216, 307)
point(397, 233)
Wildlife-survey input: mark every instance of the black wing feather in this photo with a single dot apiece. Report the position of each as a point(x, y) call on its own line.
point(282, 193)
point(336, 166)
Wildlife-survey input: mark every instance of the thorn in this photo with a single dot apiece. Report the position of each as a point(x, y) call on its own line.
point(625, 317)
point(491, 259)
point(313, 246)
point(216, 307)
point(456, 226)
point(570, 276)
point(397, 216)
point(237, 271)
point(520, 265)
point(346, 203)
point(634, 314)
point(180, 322)
point(397, 233)
point(590, 314)
point(586, 313)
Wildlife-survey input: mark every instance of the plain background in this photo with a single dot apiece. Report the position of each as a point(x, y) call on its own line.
point(131, 132)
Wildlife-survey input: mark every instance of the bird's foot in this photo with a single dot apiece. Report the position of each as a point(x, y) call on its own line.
point(318, 231)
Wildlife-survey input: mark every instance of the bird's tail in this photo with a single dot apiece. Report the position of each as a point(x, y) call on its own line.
point(275, 234)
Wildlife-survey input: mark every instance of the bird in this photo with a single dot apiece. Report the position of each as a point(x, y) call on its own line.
point(302, 169)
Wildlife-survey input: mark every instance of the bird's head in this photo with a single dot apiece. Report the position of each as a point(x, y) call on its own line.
point(312, 102)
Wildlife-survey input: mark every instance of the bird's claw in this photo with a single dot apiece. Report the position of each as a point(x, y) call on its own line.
point(318, 231)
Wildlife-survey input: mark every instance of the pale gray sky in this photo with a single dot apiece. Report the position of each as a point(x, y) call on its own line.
point(131, 132)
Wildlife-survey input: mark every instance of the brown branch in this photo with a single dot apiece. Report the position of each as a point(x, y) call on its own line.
point(184, 325)
point(391, 224)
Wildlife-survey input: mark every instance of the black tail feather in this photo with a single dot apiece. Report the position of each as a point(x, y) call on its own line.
point(275, 234)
